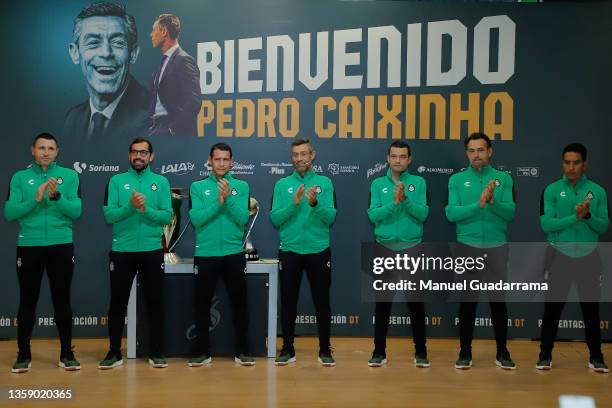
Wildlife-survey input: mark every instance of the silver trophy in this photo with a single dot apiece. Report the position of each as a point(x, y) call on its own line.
point(171, 231)
point(250, 252)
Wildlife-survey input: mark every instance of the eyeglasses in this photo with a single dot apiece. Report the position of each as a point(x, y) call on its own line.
point(143, 153)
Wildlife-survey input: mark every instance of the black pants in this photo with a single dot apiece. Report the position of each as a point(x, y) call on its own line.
point(318, 271)
point(232, 268)
point(496, 268)
point(586, 273)
point(123, 267)
point(32, 261)
point(417, 321)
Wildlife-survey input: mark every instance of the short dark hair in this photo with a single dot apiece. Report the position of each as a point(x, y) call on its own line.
point(107, 9)
point(141, 140)
point(46, 136)
point(300, 141)
point(400, 144)
point(576, 148)
point(221, 146)
point(477, 136)
point(171, 23)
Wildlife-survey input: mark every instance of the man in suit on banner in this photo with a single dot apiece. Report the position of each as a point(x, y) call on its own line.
point(105, 43)
point(175, 100)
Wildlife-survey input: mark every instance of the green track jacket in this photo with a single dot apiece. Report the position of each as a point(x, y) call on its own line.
point(480, 227)
point(401, 225)
point(573, 237)
point(219, 228)
point(303, 229)
point(133, 230)
point(48, 222)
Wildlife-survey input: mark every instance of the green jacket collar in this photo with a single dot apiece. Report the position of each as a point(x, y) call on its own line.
point(402, 177)
point(38, 170)
point(227, 176)
point(307, 176)
point(485, 170)
point(143, 172)
point(579, 183)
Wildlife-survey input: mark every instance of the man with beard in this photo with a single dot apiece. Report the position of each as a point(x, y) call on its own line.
point(104, 44)
point(481, 204)
point(138, 204)
point(303, 209)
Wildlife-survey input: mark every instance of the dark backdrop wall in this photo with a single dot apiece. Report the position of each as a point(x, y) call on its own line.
point(534, 76)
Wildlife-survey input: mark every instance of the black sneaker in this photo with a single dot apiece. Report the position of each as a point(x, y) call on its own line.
point(23, 363)
point(244, 359)
point(286, 356)
point(199, 361)
point(421, 360)
point(504, 361)
point(598, 365)
point(68, 362)
point(544, 363)
point(326, 359)
point(158, 362)
point(464, 362)
point(378, 359)
point(113, 359)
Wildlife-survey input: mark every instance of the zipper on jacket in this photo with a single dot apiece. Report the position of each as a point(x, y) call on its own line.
point(139, 215)
point(45, 213)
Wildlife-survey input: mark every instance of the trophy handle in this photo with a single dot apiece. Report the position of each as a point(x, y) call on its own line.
point(246, 237)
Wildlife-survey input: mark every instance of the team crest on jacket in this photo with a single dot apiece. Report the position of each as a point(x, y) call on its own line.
point(589, 195)
point(234, 191)
point(60, 180)
point(318, 190)
point(19, 262)
point(411, 188)
point(497, 182)
point(154, 187)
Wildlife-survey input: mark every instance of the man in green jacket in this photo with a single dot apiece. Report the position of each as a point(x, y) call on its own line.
point(398, 208)
point(481, 204)
point(45, 199)
point(137, 204)
point(219, 210)
point(303, 209)
point(573, 213)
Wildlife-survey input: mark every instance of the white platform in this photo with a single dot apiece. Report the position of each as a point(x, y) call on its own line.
point(263, 266)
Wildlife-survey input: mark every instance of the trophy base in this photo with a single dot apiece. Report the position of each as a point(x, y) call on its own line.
point(172, 258)
point(251, 255)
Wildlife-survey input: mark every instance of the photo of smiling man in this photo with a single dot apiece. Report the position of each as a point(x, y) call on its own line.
point(104, 45)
